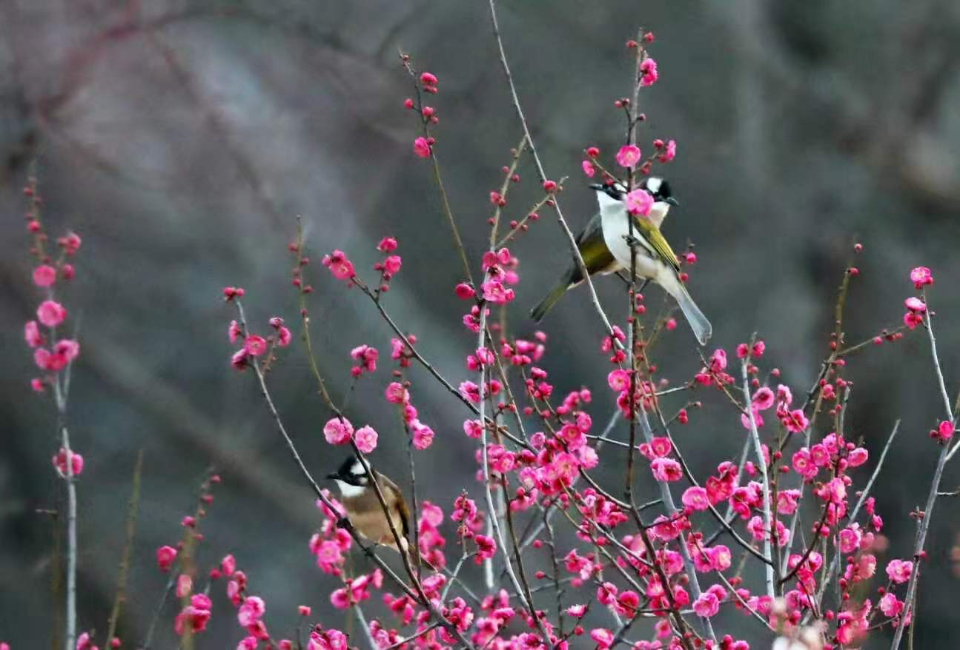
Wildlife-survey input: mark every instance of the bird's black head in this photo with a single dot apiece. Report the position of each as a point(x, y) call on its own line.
point(656, 186)
point(351, 472)
point(614, 190)
point(660, 189)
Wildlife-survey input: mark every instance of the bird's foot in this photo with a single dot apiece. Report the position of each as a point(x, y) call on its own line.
point(632, 241)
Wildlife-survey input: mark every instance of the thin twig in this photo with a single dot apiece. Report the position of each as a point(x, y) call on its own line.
point(934, 489)
point(769, 532)
point(132, 509)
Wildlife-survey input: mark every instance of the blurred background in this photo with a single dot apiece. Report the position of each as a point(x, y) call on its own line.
point(180, 139)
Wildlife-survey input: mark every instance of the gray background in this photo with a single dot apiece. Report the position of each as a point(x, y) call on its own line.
point(180, 139)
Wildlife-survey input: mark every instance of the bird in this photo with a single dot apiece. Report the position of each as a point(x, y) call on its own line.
point(363, 509)
point(606, 244)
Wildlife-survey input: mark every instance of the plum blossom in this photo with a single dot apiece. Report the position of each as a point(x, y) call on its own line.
point(44, 276)
point(255, 345)
point(165, 557)
point(32, 335)
point(707, 605)
point(366, 439)
point(648, 70)
point(666, 469)
point(338, 431)
point(695, 498)
point(639, 202)
point(422, 435)
point(899, 570)
point(421, 147)
point(628, 156)
point(60, 462)
point(251, 611)
point(51, 313)
point(921, 276)
point(339, 265)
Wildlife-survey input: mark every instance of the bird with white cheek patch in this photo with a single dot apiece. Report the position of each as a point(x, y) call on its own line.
point(606, 246)
point(359, 499)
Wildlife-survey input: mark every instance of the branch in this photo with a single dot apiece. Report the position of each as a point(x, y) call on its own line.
point(934, 489)
point(769, 532)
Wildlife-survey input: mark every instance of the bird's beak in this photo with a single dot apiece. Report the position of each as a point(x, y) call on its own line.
point(333, 475)
point(672, 201)
point(597, 187)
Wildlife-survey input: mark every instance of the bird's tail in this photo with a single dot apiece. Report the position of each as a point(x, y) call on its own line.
point(701, 327)
point(545, 305)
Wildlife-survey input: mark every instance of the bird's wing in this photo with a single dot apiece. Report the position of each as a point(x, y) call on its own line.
point(659, 243)
point(393, 495)
point(593, 249)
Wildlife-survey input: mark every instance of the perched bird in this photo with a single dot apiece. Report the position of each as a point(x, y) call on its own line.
point(364, 511)
point(605, 245)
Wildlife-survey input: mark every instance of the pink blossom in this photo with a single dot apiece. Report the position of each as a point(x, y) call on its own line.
point(718, 361)
point(911, 319)
point(604, 638)
point(707, 605)
point(850, 539)
point(763, 399)
point(32, 335)
point(666, 469)
point(588, 168)
point(339, 265)
point(473, 429)
point(366, 439)
point(251, 611)
point(60, 462)
point(184, 585)
point(470, 391)
point(428, 79)
point(283, 336)
point(70, 243)
point(228, 565)
point(234, 332)
point(338, 431)
point(495, 292)
point(619, 380)
point(387, 245)
point(639, 202)
point(165, 557)
point(255, 345)
point(37, 385)
point(44, 275)
point(577, 611)
point(239, 359)
point(628, 156)
point(486, 547)
point(366, 356)
point(648, 70)
point(945, 431)
point(696, 498)
point(915, 305)
point(396, 393)
point(421, 147)
point(921, 276)
point(669, 152)
point(720, 557)
point(464, 291)
point(84, 642)
point(890, 606)
point(795, 421)
point(422, 435)
point(899, 570)
point(51, 313)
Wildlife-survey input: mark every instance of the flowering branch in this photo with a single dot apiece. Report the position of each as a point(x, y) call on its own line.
point(924, 525)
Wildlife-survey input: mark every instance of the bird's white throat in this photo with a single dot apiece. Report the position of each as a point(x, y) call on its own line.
point(348, 490)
